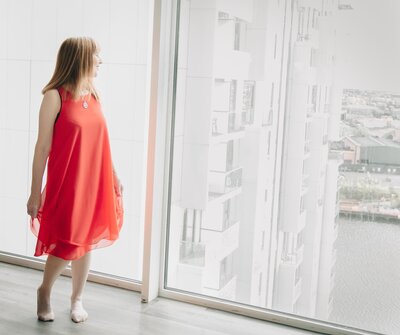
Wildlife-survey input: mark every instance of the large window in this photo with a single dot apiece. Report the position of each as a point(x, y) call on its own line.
point(285, 99)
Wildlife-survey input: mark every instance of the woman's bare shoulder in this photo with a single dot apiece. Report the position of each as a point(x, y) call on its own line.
point(51, 104)
point(52, 98)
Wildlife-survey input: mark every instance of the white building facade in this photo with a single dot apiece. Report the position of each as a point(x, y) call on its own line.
point(251, 153)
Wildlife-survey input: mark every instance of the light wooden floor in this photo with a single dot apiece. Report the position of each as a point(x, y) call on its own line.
point(114, 311)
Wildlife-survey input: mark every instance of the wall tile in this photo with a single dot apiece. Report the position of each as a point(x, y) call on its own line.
point(17, 95)
point(69, 19)
point(124, 37)
point(19, 29)
point(44, 30)
point(41, 72)
point(13, 215)
point(121, 100)
point(14, 158)
point(140, 125)
point(142, 37)
point(3, 29)
point(3, 92)
point(3, 159)
point(96, 23)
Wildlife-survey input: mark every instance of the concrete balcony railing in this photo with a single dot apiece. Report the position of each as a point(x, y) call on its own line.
point(307, 147)
point(227, 291)
point(309, 38)
point(224, 122)
point(231, 64)
point(221, 183)
point(219, 217)
point(248, 117)
point(302, 221)
point(289, 290)
point(192, 253)
point(221, 243)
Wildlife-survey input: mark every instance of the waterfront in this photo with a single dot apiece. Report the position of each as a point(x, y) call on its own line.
point(367, 276)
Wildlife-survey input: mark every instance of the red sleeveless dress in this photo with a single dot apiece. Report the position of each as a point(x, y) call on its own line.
point(81, 206)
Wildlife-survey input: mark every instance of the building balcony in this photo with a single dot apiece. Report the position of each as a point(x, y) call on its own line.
point(304, 74)
point(224, 156)
point(221, 243)
point(311, 110)
point(221, 216)
point(248, 117)
point(219, 270)
point(192, 253)
point(302, 221)
point(225, 182)
point(296, 258)
point(306, 177)
point(288, 289)
point(309, 38)
point(325, 139)
point(225, 137)
point(307, 147)
point(228, 291)
point(217, 198)
point(231, 64)
point(297, 289)
point(225, 122)
point(300, 255)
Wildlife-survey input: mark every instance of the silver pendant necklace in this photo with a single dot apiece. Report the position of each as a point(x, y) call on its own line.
point(85, 104)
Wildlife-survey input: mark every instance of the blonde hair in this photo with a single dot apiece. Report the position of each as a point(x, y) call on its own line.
point(74, 65)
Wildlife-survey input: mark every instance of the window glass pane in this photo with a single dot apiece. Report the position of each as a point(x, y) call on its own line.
point(30, 35)
point(302, 101)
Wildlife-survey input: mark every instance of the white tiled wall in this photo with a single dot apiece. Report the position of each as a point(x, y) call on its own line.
point(30, 34)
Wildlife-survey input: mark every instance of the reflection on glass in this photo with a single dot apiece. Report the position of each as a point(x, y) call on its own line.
point(281, 167)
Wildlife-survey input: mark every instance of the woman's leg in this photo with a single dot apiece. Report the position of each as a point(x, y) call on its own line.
point(80, 270)
point(54, 267)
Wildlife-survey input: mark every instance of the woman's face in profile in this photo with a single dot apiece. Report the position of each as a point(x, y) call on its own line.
point(96, 63)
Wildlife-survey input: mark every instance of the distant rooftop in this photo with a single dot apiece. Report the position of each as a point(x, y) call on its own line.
point(372, 141)
point(360, 107)
point(345, 7)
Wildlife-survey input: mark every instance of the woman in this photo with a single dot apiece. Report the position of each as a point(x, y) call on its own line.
point(80, 207)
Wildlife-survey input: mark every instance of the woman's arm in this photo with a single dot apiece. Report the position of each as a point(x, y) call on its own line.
point(48, 111)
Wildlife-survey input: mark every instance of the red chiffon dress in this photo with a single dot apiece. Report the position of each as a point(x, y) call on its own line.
point(81, 206)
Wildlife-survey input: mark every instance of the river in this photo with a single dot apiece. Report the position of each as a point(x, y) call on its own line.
point(367, 284)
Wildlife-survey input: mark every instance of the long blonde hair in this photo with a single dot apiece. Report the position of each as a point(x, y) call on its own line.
point(74, 65)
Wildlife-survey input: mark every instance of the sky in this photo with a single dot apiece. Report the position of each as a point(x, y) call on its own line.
point(369, 45)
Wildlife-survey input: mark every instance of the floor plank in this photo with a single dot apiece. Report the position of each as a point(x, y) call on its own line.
point(115, 311)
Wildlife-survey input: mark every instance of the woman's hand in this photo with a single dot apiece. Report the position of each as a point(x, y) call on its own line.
point(117, 185)
point(33, 205)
